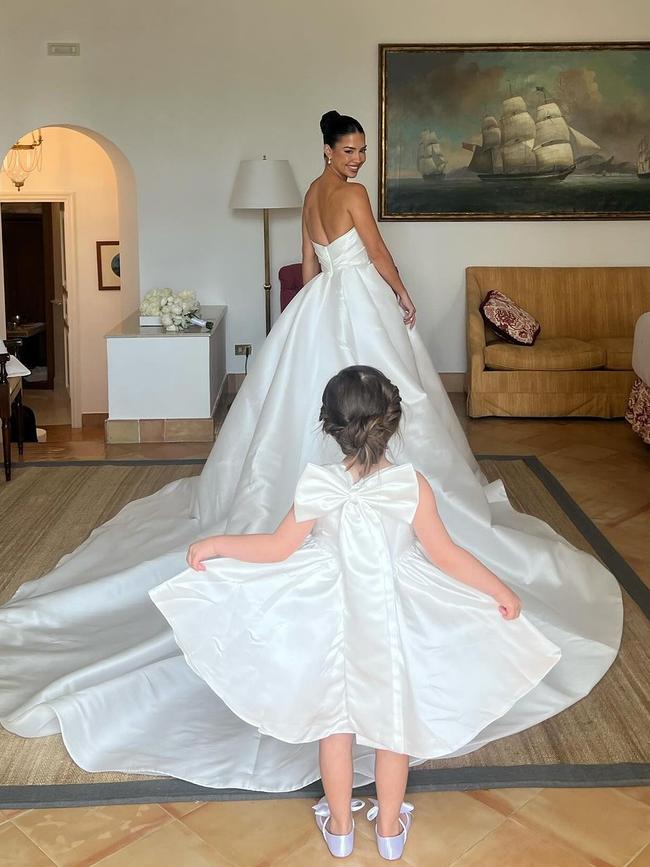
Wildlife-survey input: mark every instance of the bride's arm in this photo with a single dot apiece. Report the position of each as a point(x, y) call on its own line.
point(359, 207)
point(254, 547)
point(310, 264)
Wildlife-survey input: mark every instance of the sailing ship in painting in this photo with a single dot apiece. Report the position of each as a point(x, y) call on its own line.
point(643, 159)
point(431, 162)
point(519, 147)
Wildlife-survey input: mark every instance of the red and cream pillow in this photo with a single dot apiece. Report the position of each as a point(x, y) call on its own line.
point(508, 320)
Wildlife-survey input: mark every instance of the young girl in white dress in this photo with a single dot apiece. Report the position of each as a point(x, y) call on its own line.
point(358, 618)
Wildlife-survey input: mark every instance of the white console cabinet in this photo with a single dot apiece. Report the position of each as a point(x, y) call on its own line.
point(164, 386)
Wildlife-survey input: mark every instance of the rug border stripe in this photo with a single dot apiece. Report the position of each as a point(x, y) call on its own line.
point(111, 462)
point(444, 779)
point(622, 571)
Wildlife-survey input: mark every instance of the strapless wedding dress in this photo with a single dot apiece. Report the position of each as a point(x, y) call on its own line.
point(85, 652)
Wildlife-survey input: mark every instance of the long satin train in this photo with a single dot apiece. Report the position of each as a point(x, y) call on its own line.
point(85, 651)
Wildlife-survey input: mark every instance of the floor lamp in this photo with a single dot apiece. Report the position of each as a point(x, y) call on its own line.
point(265, 184)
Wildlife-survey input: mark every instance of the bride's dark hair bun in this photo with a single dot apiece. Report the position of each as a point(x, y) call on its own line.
point(334, 125)
point(328, 120)
point(361, 410)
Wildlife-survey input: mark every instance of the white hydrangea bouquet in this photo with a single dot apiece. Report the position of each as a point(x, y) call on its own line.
point(172, 310)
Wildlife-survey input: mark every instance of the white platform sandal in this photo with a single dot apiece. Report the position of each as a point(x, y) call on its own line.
point(340, 845)
point(391, 848)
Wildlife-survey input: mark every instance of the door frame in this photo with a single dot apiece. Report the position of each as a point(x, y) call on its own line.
point(70, 246)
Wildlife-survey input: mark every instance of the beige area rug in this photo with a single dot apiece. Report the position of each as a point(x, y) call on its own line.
point(603, 740)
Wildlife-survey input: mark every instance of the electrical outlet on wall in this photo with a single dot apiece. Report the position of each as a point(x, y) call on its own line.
point(64, 49)
point(243, 348)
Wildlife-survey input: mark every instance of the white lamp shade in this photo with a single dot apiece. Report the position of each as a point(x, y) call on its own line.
point(265, 184)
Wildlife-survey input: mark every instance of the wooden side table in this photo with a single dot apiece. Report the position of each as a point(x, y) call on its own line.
point(11, 391)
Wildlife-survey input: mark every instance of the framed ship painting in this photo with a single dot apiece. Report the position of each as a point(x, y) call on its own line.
point(494, 132)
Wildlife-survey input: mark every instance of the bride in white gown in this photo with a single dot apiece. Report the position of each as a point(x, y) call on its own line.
point(85, 652)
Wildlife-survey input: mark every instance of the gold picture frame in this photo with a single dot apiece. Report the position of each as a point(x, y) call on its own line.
point(551, 130)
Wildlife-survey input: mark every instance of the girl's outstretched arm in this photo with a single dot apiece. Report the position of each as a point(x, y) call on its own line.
point(254, 547)
point(454, 560)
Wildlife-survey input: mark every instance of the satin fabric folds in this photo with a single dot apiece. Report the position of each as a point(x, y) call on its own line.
point(356, 631)
point(85, 652)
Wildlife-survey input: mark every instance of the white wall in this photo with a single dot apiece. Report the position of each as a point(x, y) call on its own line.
point(187, 88)
point(74, 163)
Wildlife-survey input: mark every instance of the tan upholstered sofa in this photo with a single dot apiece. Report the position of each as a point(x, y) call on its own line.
point(581, 363)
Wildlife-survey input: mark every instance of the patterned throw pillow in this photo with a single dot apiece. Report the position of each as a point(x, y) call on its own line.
point(508, 320)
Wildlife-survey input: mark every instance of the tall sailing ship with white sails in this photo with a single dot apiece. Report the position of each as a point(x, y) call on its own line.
point(643, 159)
point(431, 161)
point(518, 147)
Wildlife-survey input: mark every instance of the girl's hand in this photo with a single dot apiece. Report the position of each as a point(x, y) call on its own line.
point(198, 552)
point(404, 301)
point(509, 604)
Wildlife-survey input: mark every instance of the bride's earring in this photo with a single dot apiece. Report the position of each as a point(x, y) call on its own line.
point(329, 161)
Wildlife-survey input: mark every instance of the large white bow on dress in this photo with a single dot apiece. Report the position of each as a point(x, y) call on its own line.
point(370, 629)
point(392, 491)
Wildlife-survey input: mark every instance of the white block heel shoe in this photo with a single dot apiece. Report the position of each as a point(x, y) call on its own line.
point(391, 848)
point(340, 845)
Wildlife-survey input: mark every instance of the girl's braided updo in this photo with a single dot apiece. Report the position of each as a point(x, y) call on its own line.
point(361, 410)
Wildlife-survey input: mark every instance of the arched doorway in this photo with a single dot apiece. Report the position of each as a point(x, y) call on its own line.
point(87, 186)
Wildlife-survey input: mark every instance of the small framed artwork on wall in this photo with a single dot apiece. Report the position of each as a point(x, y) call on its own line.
point(108, 265)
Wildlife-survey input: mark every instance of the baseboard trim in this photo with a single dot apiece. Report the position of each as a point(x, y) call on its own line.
point(234, 381)
point(93, 419)
point(453, 382)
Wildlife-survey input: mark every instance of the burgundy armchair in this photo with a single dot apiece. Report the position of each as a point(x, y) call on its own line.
point(290, 283)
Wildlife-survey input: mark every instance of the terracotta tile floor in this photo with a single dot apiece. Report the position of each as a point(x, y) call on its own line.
point(606, 469)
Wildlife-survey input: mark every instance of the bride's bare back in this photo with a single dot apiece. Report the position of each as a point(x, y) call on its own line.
point(326, 210)
point(333, 206)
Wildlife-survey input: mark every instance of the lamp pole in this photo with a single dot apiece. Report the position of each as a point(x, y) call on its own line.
point(267, 271)
point(265, 185)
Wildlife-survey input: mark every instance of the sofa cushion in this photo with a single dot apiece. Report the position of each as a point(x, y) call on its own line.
point(551, 353)
point(508, 320)
point(618, 351)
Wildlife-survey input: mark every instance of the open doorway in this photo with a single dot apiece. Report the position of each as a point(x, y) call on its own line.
point(36, 303)
point(86, 191)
